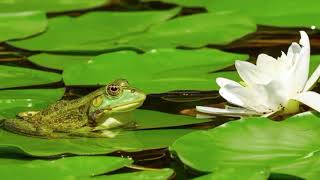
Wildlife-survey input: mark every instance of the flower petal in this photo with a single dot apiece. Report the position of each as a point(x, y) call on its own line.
point(313, 79)
point(293, 49)
point(250, 74)
point(254, 98)
point(309, 98)
point(223, 81)
point(300, 70)
point(236, 112)
point(266, 63)
point(304, 40)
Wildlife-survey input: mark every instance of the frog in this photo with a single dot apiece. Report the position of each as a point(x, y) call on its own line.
point(93, 115)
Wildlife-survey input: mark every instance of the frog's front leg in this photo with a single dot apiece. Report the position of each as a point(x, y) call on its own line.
point(24, 127)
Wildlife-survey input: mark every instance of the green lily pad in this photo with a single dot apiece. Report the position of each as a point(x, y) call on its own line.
point(155, 71)
point(87, 32)
point(142, 175)
point(247, 173)
point(255, 142)
point(17, 77)
point(49, 5)
point(15, 101)
point(147, 119)
point(21, 25)
point(192, 31)
point(82, 167)
point(275, 13)
point(130, 141)
point(57, 61)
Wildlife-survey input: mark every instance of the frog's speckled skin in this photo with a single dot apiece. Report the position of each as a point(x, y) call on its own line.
point(80, 117)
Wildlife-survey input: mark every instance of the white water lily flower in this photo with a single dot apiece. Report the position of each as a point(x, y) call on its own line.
point(272, 85)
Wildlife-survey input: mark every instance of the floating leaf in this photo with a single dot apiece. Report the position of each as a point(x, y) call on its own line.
point(142, 175)
point(130, 141)
point(16, 77)
point(55, 61)
point(49, 5)
point(247, 173)
point(15, 101)
point(155, 71)
point(82, 167)
point(87, 32)
point(21, 25)
point(192, 31)
point(275, 13)
point(146, 119)
point(255, 142)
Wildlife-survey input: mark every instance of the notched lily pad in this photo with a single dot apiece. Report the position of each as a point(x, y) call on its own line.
point(141, 175)
point(130, 141)
point(21, 25)
point(87, 32)
point(82, 167)
point(146, 119)
point(275, 13)
point(49, 5)
point(256, 142)
point(155, 71)
point(58, 61)
point(15, 101)
point(17, 77)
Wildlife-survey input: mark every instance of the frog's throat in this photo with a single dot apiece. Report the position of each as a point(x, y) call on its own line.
point(124, 108)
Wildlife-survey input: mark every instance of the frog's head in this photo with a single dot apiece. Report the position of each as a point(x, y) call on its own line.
point(116, 97)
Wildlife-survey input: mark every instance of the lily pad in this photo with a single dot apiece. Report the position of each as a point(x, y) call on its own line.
point(275, 13)
point(15, 101)
point(21, 25)
point(57, 61)
point(147, 119)
point(49, 5)
point(130, 141)
point(87, 32)
point(155, 71)
point(192, 31)
point(142, 175)
point(247, 173)
point(82, 167)
point(255, 142)
point(17, 77)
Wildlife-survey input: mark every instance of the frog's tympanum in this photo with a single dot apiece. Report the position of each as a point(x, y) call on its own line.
point(94, 115)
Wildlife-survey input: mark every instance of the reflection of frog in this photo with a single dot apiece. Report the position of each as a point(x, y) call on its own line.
point(85, 116)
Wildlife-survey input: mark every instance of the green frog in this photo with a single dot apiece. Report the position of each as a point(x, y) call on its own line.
point(94, 115)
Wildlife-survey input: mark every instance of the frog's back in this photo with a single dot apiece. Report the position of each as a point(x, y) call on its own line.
point(62, 116)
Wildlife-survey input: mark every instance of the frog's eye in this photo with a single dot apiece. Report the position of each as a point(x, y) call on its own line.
point(97, 101)
point(113, 89)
